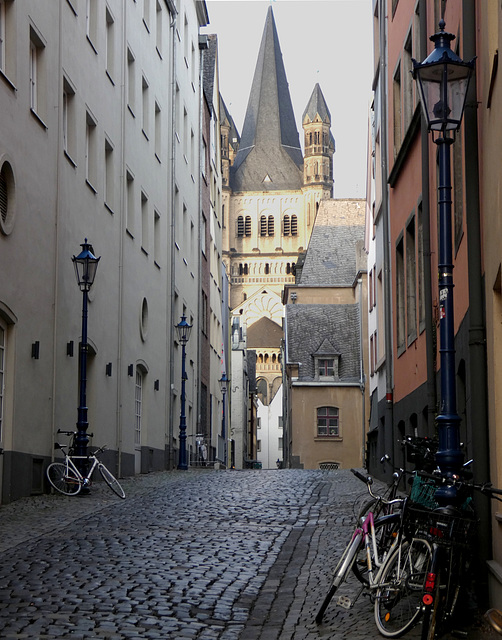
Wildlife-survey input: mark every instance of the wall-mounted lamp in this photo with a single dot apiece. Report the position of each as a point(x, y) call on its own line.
point(35, 350)
point(69, 349)
point(109, 369)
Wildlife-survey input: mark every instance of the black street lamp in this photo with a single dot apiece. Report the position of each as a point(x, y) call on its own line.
point(85, 265)
point(443, 80)
point(223, 386)
point(183, 329)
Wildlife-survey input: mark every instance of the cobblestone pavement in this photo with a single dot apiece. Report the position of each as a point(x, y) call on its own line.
point(233, 555)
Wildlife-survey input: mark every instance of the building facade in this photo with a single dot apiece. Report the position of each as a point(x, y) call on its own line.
point(101, 140)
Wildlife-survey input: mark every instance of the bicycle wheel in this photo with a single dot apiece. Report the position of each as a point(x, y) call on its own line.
point(385, 531)
point(341, 571)
point(111, 480)
point(63, 479)
point(398, 602)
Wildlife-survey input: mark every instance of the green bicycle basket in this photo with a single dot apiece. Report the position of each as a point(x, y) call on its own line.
point(423, 492)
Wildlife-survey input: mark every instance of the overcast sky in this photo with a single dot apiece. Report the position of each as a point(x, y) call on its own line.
point(325, 41)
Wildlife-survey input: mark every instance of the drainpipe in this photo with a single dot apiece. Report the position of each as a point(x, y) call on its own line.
point(361, 369)
point(477, 328)
point(388, 444)
point(430, 327)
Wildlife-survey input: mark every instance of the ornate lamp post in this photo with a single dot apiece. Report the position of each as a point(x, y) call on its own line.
point(85, 265)
point(183, 329)
point(443, 80)
point(223, 386)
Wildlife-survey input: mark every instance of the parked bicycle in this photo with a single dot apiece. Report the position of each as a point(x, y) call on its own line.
point(66, 477)
point(395, 577)
point(450, 531)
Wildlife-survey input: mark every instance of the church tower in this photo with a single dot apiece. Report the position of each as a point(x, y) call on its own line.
point(269, 207)
point(319, 146)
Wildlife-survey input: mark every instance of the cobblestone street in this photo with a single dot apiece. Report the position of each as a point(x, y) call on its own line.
point(236, 555)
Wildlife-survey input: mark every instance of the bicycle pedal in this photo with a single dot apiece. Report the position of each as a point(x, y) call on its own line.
point(345, 602)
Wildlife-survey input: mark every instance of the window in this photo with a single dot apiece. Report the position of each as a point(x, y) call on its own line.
point(286, 226)
point(130, 213)
point(91, 151)
point(294, 225)
point(240, 226)
point(326, 367)
point(131, 81)
point(397, 109)
point(158, 132)
point(144, 222)
point(145, 114)
point(159, 28)
point(37, 83)
point(408, 106)
point(69, 122)
point(400, 300)
point(421, 269)
point(109, 176)
point(138, 401)
point(7, 198)
point(271, 225)
point(2, 35)
point(156, 237)
point(247, 228)
point(327, 422)
point(146, 14)
point(110, 45)
point(411, 282)
point(91, 17)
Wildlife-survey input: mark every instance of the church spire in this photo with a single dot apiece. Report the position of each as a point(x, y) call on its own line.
point(269, 156)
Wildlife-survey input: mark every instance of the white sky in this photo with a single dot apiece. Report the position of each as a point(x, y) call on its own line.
point(325, 41)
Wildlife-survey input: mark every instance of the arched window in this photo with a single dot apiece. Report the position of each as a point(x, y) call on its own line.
point(286, 226)
point(241, 269)
point(294, 225)
point(247, 230)
point(288, 268)
point(240, 226)
point(271, 225)
point(246, 269)
point(327, 422)
point(267, 268)
point(263, 225)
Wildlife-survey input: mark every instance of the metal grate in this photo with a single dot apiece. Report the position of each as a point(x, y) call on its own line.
point(4, 196)
point(329, 466)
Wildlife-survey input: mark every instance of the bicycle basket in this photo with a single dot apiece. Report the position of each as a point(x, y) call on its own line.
point(423, 493)
point(439, 527)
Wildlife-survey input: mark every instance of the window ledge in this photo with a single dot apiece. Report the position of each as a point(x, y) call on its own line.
point(38, 118)
point(10, 84)
point(70, 159)
point(91, 187)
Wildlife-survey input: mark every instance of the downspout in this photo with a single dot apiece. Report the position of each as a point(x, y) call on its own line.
point(478, 423)
point(430, 326)
point(361, 371)
point(388, 435)
point(170, 315)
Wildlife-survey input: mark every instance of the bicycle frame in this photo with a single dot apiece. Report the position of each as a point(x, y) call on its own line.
point(71, 465)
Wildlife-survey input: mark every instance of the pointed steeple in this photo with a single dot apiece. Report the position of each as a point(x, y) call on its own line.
point(269, 156)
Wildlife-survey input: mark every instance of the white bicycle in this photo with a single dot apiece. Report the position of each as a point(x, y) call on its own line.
point(65, 476)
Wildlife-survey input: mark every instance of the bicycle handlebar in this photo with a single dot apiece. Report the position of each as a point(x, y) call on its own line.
point(366, 479)
point(73, 433)
point(484, 487)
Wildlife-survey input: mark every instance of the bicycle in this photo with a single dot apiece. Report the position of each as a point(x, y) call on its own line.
point(450, 530)
point(65, 476)
point(395, 576)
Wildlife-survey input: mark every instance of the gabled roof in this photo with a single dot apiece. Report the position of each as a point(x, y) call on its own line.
point(270, 144)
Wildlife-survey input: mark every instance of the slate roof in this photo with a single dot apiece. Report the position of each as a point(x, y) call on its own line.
point(225, 115)
point(269, 157)
point(308, 327)
point(333, 254)
point(317, 105)
point(264, 333)
point(209, 61)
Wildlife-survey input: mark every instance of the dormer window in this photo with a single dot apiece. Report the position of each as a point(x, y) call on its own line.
point(326, 360)
point(326, 367)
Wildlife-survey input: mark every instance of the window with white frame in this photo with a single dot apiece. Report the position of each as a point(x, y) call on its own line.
point(91, 151)
point(2, 35)
point(110, 45)
point(328, 422)
point(109, 176)
point(69, 124)
point(37, 79)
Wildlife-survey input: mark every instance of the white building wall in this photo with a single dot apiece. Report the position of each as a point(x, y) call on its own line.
point(270, 432)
